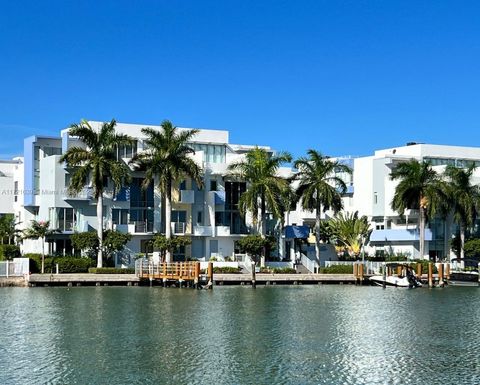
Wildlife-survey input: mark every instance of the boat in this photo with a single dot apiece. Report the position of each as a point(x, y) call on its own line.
point(408, 280)
point(464, 272)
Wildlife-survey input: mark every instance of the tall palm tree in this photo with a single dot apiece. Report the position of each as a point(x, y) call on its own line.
point(464, 198)
point(420, 188)
point(320, 187)
point(39, 230)
point(265, 189)
point(96, 165)
point(165, 161)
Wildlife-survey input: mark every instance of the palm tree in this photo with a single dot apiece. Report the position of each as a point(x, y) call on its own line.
point(320, 187)
point(350, 231)
point(166, 160)
point(464, 199)
point(39, 230)
point(420, 188)
point(8, 229)
point(265, 189)
point(97, 164)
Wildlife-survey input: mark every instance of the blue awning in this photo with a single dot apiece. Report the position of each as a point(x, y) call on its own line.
point(391, 235)
point(297, 232)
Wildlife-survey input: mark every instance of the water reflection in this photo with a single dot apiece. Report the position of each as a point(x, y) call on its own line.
point(236, 335)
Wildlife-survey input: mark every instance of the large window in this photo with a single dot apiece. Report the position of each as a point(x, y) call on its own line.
point(212, 153)
point(120, 216)
point(63, 218)
point(126, 151)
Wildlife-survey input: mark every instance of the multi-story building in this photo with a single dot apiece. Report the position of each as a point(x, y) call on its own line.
point(374, 191)
point(208, 214)
point(35, 187)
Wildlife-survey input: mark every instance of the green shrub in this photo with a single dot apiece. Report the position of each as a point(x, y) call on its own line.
point(337, 269)
point(284, 270)
point(227, 270)
point(66, 264)
point(110, 270)
point(8, 252)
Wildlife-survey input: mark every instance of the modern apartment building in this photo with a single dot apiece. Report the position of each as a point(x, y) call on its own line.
point(208, 214)
point(35, 187)
point(373, 194)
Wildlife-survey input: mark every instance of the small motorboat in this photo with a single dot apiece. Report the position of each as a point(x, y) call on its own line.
point(464, 272)
point(408, 280)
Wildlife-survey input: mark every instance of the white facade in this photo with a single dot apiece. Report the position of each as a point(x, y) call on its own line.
point(374, 191)
point(207, 215)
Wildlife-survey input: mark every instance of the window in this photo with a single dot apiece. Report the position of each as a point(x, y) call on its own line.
point(380, 227)
point(212, 153)
point(199, 217)
point(213, 185)
point(64, 219)
point(120, 216)
point(375, 198)
point(183, 185)
point(126, 151)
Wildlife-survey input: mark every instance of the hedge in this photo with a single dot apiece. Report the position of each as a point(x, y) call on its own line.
point(110, 270)
point(8, 252)
point(227, 270)
point(337, 269)
point(278, 270)
point(65, 264)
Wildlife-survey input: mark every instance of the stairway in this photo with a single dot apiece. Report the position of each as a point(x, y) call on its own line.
point(302, 269)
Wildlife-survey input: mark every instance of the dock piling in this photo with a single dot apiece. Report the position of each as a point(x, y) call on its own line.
point(254, 283)
point(430, 274)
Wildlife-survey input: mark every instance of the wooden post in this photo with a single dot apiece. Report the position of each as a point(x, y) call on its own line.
point(430, 274)
point(419, 271)
point(478, 267)
point(399, 270)
point(360, 273)
point(197, 274)
point(254, 282)
point(164, 268)
point(210, 274)
point(440, 274)
point(355, 269)
point(384, 275)
point(447, 271)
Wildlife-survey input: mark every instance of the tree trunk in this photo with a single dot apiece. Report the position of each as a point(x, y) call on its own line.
point(462, 244)
point(43, 255)
point(422, 232)
point(263, 228)
point(168, 219)
point(100, 230)
point(318, 213)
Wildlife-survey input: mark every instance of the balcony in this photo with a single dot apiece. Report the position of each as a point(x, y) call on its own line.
point(187, 196)
point(222, 231)
point(141, 226)
point(85, 194)
point(205, 231)
point(178, 227)
point(124, 228)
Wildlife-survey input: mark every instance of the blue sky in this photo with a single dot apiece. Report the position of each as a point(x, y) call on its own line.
point(344, 77)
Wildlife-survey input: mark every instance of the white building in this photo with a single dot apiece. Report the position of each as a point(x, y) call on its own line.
point(373, 193)
point(208, 215)
point(34, 187)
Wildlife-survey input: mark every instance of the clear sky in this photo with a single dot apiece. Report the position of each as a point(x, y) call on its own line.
point(343, 77)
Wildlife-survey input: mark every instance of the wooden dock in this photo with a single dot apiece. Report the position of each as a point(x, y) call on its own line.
point(82, 279)
point(283, 279)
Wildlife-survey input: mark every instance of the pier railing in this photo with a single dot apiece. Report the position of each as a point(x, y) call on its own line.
point(185, 271)
point(16, 268)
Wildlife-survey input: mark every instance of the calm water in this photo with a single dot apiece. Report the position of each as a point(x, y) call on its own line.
point(236, 335)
